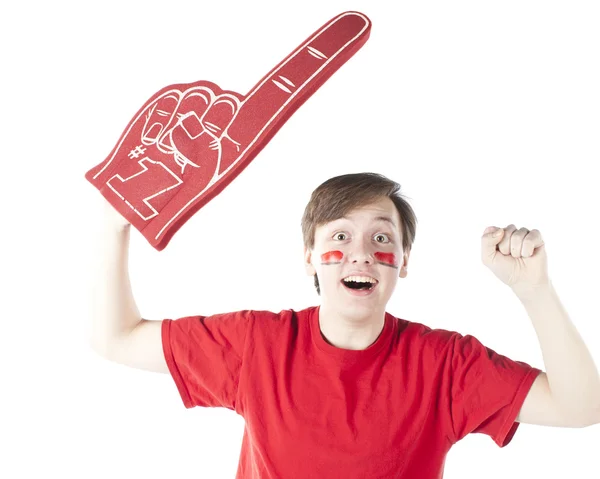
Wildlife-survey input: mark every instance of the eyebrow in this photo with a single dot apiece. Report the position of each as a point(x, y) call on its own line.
point(386, 219)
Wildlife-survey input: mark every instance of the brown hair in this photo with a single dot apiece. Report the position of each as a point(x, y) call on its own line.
point(339, 195)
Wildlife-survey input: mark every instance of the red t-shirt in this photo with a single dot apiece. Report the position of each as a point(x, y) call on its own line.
point(313, 410)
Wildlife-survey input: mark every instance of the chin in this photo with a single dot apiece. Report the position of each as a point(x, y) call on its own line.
point(357, 307)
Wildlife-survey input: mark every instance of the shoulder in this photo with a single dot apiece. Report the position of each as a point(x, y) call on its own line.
point(247, 317)
point(286, 318)
point(443, 345)
point(424, 337)
point(416, 331)
point(282, 316)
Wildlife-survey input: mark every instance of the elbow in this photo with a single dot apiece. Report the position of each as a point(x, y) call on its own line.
point(590, 419)
point(596, 417)
point(97, 347)
point(103, 347)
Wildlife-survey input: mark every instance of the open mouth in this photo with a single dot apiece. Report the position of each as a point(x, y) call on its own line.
point(362, 284)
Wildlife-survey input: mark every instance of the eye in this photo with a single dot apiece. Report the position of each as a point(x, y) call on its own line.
point(385, 237)
point(337, 236)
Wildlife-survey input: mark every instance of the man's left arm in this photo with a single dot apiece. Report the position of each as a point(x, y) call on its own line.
point(567, 394)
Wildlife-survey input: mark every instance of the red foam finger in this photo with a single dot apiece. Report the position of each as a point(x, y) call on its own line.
point(297, 77)
point(159, 117)
point(194, 102)
point(189, 141)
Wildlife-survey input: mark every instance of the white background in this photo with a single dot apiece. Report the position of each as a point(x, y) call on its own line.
point(487, 113)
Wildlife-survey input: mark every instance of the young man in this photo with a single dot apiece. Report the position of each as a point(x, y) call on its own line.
point(345, 389)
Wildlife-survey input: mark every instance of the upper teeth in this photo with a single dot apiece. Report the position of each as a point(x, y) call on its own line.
point(360, 279)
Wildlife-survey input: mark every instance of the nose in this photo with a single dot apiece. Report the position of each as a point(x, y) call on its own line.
point(361, 253)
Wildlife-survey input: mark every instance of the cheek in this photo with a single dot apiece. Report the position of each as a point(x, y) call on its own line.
point(387, 259)
point(332, 257)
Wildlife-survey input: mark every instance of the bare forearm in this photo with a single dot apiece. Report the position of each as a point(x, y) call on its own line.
point(572, 375)
point(115, 312)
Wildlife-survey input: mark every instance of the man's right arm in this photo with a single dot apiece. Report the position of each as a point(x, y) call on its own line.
point(118, 331)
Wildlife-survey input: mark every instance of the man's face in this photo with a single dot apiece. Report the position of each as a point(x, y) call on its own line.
point(358, 259)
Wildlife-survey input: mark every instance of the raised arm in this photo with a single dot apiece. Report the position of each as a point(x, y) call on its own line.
point(118, 331)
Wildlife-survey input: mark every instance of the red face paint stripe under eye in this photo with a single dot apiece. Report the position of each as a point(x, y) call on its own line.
point(387, 259)
point(332, 257)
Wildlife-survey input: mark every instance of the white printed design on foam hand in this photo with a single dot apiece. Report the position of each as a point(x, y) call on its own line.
point(173, 126)
point(166, 143)
point(150, 211)
point(155, 133)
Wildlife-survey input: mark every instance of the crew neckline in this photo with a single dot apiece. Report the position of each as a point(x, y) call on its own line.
point(349, 354)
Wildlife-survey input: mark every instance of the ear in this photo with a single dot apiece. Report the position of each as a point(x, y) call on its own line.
point(404, 265)
point(310, 269)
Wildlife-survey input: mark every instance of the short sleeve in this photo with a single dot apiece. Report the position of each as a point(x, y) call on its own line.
point(204, 356)
point(487, 390)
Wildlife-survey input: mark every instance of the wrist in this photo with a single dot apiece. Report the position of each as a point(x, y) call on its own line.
point(114, 219)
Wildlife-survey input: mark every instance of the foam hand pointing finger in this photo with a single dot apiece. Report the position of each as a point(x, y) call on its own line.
point(189, 141)
point(517, 257)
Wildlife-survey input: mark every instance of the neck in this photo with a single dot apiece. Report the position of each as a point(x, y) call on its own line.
point(350, 331)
